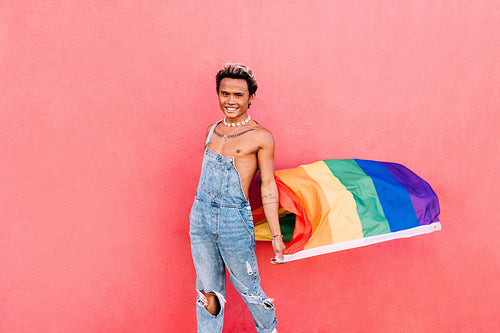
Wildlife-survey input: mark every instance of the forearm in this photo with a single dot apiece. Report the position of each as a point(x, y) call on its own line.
point(270, 203)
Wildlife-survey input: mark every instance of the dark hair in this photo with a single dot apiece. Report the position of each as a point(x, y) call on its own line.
point(237, 71)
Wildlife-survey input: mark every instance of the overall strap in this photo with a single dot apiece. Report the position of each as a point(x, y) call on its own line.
point(209, 136)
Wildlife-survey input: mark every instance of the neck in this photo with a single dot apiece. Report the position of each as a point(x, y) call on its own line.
point(237, 123)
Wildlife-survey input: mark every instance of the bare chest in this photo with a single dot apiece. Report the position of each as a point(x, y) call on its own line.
point(242, 145)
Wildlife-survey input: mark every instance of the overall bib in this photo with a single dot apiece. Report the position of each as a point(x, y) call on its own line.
point(222, 235)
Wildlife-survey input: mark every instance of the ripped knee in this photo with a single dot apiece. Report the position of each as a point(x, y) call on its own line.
point(212, 301)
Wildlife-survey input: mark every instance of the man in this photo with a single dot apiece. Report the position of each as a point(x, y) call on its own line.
point(221, 226)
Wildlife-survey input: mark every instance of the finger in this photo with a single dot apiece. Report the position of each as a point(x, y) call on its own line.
point(274, 262)
point(278, 260)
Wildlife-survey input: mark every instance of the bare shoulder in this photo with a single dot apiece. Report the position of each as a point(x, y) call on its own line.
point(208, 131)
point(263, 135)
point(210, 127)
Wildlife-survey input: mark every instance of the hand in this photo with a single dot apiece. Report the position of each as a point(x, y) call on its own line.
point(278, 247)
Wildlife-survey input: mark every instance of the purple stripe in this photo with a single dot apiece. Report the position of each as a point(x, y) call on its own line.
point(423, 198)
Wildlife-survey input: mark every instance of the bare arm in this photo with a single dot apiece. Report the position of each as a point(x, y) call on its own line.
point(269, 193)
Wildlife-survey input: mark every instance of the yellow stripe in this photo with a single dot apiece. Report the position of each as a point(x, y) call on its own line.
point(339, 218)
point(261, 228)
point(262, 232)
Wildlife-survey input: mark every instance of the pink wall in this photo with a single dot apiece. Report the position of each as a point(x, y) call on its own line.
point(103, 107)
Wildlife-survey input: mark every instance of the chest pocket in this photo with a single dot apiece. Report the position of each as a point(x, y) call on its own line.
point(215, 181)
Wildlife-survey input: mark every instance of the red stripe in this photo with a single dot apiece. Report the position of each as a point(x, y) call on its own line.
point(303, 226)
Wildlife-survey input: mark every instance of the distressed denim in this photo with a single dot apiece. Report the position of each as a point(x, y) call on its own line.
point(222, 235)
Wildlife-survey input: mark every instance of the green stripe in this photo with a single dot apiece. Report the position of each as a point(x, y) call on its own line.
point(287, 225)
point(356, 181)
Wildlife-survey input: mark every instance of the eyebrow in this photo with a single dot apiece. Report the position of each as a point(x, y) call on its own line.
point(236, 92)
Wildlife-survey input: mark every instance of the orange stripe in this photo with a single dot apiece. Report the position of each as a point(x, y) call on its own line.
point(293, 201)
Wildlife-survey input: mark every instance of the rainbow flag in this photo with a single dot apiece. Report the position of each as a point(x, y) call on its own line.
point(333, 205)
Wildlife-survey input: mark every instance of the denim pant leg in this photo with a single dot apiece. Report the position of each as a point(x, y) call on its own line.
point(237, 247)
point(210, 269)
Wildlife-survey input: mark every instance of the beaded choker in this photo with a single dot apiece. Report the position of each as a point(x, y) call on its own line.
point(237, 124)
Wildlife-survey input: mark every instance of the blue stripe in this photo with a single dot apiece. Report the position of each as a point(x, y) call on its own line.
point(395, 200)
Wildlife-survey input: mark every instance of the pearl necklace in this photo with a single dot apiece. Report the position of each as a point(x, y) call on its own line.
point(237, 124)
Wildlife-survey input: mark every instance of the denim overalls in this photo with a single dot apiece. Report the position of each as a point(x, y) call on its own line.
point(222, 235)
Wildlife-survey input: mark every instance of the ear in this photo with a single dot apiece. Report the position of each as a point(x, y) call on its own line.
point(250, 99)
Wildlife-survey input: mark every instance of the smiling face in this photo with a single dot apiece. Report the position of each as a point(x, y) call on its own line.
point(234, 99)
